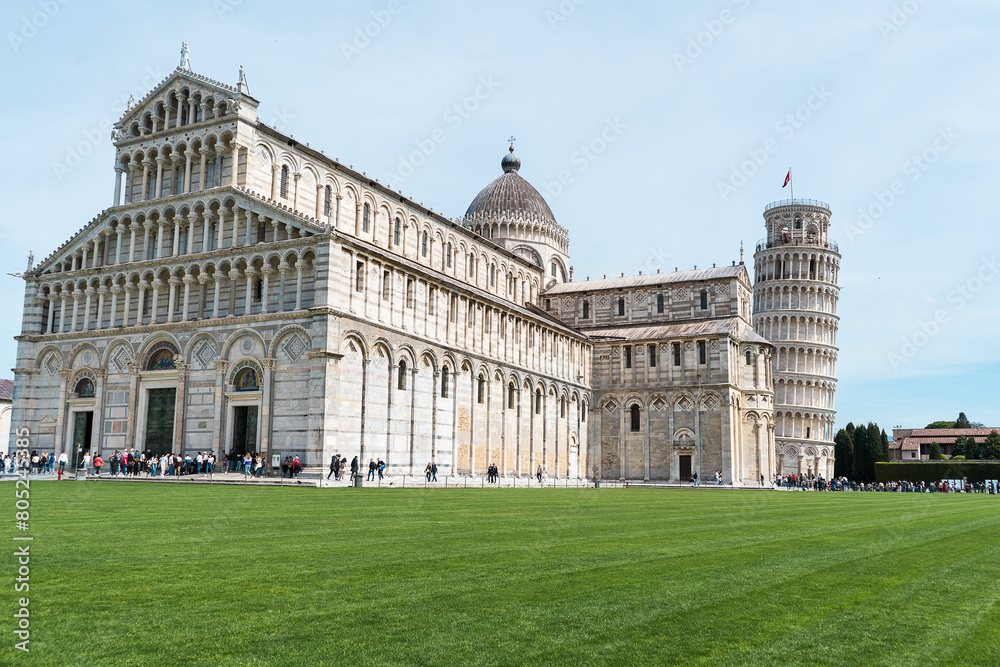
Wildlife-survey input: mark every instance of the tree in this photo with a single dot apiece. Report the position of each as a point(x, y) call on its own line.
point(843, 449)
point(991, 448)
point(934, 452)
point(962, 421)
point(861, 454)
point(941, 424)
point(882, 452)
point(965, 447)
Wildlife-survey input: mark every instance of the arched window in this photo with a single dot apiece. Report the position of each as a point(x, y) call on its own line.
point(493, 275)
point(246, 380)
point(445, 379)
point(562, 407)
point(258, 290)
point(510, 396)
point(538, 401)
point(423, 244)
point(659, 303)
point(621, 306)
point(409, 292)
point(397, 234)
point(553, 268)
point(586, 310)
point(84, 388)
point(748, 357)
point(284, 181)
point(704, 299)
point(481, 389)
point(327, 196)
point(365, 215)
point(401, 382)
point(634, 418)
point(161, 360)
point(447, 256)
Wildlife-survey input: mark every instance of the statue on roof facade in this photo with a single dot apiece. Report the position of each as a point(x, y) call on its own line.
point(185, 60)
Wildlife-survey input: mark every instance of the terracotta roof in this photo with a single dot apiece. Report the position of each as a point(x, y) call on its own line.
point(646, 280)
point(720, 326)
point(909, 439)
point(6, 390)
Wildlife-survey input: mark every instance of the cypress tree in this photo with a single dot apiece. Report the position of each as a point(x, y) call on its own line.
point(962, 421)
point(860, 454)
point(991, 448)
point(934, 452)
point(843, 449)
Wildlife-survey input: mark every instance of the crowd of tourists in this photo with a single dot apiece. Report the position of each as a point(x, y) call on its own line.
point(817, 483)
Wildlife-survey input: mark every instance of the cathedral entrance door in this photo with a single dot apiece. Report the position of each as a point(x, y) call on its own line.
point(684, 463)
point(160, 421)
point(244, 429)
point(83, 423)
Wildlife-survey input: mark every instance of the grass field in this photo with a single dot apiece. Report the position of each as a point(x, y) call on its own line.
point(162, 574)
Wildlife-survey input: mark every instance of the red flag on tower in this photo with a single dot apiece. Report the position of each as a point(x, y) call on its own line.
point(788, 178)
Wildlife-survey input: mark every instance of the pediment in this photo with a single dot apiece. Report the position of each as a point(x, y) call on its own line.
point(181, 84)
point(89, 231)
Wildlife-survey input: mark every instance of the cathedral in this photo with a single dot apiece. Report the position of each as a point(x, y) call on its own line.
point(245, 292)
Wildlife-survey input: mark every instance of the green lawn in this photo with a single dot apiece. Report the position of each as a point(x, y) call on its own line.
point(162, 574)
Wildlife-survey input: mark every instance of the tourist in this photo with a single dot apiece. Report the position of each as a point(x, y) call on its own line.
point(354, 467)
point(381, 468)
point(371, 470)
point(334, 467)
point(427, 471)
point(85, 463)
point(434, 471)
point(296, 466)
point(98, 462)
point(63, 460)
point(538, 474)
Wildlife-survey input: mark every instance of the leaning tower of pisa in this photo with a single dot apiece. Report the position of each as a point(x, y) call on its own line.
point(796, 270)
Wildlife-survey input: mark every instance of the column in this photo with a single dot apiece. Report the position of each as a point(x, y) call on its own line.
point(319, 200)
point(154, 302)
point(192, 219)
point(62, 312)
point(282, 270)
point(118, 243)
point(207, 228)
point(217, 179)
point(250, 272)
point(250, 217)
point(187, 297)
point(86, 311)
point(60, 434)
point(204, 162)
point(233, 276)
point(131, 242)
point(295, 191)
point(298, 284)
point(236, 227)
point(179, 421)
point(146, 226)
point(118, 184)
point(128, 289)
point(202, 294)
point(222, 227)
point(172, 181)
point(83, 261)
point(50, 325)
point(133, 402)
point(76, 306)
point(96, 428)
point(265, 408)
point(266, 272)
point(191, 116)
point(275, 169)
point(215, 296)
point(336, 219)
point(159, 177)
point(218, 432)
point(115, 291)
point(159, 239)
point(173, 282)
point(186, 181)
point(175, 247)
point(146, 164)
point(130, 182)
point(140, 303)
point(101, 293)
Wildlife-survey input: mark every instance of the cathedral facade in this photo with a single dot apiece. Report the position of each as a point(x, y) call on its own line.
point(246, 292)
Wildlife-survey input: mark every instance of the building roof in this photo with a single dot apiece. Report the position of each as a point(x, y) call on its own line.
point(6, 390)
point(509, 198)
point(650, 280)
point(910, 439)
point(720, 326)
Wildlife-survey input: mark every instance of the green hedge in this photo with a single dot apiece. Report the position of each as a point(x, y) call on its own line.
point(935, 471)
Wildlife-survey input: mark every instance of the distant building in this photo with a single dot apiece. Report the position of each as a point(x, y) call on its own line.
point(913, 444)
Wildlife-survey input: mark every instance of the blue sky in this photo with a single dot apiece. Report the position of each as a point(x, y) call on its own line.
point(636, 121)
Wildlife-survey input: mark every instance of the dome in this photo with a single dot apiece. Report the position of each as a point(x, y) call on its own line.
point(509, 198)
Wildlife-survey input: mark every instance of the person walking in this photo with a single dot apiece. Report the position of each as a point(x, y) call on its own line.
point(381, 468)
point(434, 472)
point(63, 460)
point(86, 462)
point(355, 466)
point(538, 474)
point(371, 470)
point(427, 471)
point(98, 462)
point(333, 465)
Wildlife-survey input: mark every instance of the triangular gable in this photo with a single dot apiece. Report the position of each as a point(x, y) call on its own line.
point(196, 82)
point(69, 247)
